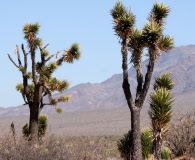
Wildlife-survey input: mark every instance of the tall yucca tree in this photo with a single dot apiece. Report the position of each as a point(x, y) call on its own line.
point(161, 102)
point(38, 81)
point(134, 40)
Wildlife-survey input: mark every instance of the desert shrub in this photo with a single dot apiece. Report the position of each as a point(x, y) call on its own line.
point(53, 148)
point(25, 130)
point(43, 123)
point(125, 145)
point(180, 138)
point(146, 140)
point(165, 154)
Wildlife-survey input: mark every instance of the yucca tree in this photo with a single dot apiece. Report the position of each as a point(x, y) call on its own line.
point(134, 40)
point(161, 102)
point(38, 81)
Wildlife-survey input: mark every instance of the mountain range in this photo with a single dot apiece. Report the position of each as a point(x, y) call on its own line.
point(180, 62)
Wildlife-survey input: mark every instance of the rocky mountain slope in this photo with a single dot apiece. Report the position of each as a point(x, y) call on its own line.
point(180, 61)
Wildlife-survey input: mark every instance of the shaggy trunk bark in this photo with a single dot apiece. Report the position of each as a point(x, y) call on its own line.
point(135, 111)
point(157, 144)
point(135, 127)
point(33, 123)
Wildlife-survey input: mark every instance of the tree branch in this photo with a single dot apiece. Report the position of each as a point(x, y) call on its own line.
point(18, 55)
point(153, 52)
point(126, 85)
point(12, 61)
point(138, 67)
point(56, 54)
point(32, 52)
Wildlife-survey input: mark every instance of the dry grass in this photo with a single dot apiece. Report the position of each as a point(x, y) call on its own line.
point(60, 148)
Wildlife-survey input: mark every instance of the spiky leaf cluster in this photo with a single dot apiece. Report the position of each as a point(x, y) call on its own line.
point(166, 153)
point(43, 124)
point(64, 99)
point(166, 43)
point(25, 130)
point(160, 111)
point(20, 88)
point(124, 20)
point(59, 110)
point(159, 12)
point(152, 33)
point(57, 85)
point(73, 53)
point(44, 53)
point(53, 102)
point(136, 45)
point(30, 32)
point(146, 140)
point(125, 145)
point(164, 81)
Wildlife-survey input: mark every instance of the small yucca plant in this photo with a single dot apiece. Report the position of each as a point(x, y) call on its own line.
point(43, 123)
point(166, 153)
point(146, 139)
point(125, 145)
point(25, 130)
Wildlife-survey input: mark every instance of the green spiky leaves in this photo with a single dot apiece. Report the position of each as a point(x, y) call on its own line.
point(160, 112)
point(164, 81)
point(52, 66)
point(30, 32)
point(20, 87)
point(125, 145)
point(43, 124)
point(118, 11)
point(146, 140)
point(64, 99)
point(45, 53)
point(73, 53)
point(124, 20)
point(166, 43)
point(59, 110)
point(57, 85)
point(31, 28)
point(136, 39)
point(136, 45)
point(159, 12)
point(152, 33)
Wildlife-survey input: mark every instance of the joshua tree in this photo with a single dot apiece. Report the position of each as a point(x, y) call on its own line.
point(38, 81)
point(134, 40)
point(160, 112)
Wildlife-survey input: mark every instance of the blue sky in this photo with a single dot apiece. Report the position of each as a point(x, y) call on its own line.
point(87, 22)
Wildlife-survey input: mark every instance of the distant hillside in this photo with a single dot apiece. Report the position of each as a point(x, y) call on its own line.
point(180, 61)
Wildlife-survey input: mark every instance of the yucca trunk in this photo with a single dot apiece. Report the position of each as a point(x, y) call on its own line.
point(135, 128)
point(157, 145)
point(33, 123)
point(135, 111)
point(34, 114)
